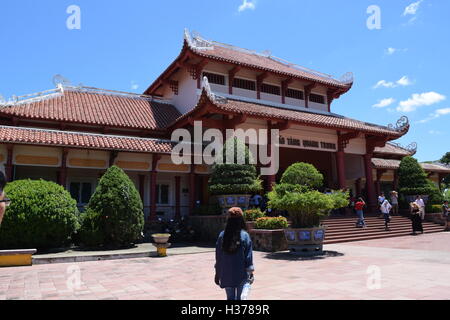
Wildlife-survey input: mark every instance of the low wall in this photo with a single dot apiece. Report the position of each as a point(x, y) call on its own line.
point(207, 228)
point(268, 240)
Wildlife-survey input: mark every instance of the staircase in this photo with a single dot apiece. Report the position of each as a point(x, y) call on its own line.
point(344, 230)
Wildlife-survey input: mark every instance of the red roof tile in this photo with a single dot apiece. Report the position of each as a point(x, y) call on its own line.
point(390, 148)
point(246, 58)
point(301, 117)
point(18, 135)
point(379, 163)
point(93, 108)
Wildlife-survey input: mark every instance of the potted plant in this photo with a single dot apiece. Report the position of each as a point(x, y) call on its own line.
point(268, 234)
point(233, 181)
point(251, 215)
point(297, 194)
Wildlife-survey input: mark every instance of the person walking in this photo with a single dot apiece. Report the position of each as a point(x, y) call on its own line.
point(416, 219)
point(381, 199)
point(359, 206)
point(234, 256)
point(386, 209)
point(445, 215)
point(394, 203)
point(421, 204)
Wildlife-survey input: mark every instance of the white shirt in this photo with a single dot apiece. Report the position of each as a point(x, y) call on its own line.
point(420, 203)
point(386, 207)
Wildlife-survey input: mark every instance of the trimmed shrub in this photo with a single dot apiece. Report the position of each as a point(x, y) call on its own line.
point(114, 216)
point(435, 196)
point(303, 174)
point(271, 223)
point(42, 215)
point(253, 214)
point(412, 178)
point(238, 177)
point(435, 208)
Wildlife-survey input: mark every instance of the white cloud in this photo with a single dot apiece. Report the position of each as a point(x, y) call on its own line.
point(435, 132)
point(247, 4)
point(442, 112)
point(418, 100)
point(391, 51)
point(403, 81)
point(134, 85)
point(384, 103)
point(412, 8)
point(438, 113)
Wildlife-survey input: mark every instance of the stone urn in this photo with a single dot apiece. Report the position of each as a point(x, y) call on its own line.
point(233, 200)
point(305, 241)
point(161, 242)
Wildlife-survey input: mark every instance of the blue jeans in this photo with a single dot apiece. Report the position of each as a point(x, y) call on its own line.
point(234, 293)
point(360, 214)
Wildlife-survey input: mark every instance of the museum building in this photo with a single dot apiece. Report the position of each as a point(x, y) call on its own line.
point(71, 134)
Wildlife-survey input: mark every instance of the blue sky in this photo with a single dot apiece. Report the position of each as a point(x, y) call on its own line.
point(402, 68)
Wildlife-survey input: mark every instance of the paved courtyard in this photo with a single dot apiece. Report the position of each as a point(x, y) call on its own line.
point(407, 267)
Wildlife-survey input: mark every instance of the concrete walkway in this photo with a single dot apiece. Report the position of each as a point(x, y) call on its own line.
point(396, 268)
point(139, 251)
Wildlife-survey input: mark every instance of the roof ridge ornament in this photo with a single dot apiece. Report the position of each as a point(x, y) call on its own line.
point(347, 78)
point(215, 98)
point(402, 125)
point(412, 147)
point(196, 41)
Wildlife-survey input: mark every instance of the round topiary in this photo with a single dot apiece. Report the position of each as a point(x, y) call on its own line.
point(412, 179)
point(114, 215)
point(237, 175)
point(303, 174)
point(42, 215)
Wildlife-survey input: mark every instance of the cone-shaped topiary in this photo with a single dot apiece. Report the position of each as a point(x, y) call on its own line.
point(114, 216)
point(412, 179)
point(237, 174)
point(42, 215)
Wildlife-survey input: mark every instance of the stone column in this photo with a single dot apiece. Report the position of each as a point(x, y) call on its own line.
point(372, 201)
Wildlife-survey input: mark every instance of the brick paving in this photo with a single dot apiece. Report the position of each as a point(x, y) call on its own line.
point(410, 268)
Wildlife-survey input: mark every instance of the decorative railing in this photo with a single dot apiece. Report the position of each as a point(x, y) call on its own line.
point(402, 125)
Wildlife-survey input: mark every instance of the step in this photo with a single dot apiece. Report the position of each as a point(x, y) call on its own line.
point(374, 231)
point(371, 226)
point(370, 237)
point(364, 234)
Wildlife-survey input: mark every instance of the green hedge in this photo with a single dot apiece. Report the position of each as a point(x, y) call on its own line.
point(42, 215)
point(114, 216)
point(253, 214)
point(271, 223)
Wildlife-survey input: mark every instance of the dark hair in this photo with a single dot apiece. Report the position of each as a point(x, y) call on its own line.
point(2, 181)
point(232, 234)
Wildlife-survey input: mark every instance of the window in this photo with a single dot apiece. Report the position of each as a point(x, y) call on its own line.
point(162, 194)
point(267, 88)
point(317, 98)
point(244, 84)
point(215, 78)
point(295, 94)
point(81, 192)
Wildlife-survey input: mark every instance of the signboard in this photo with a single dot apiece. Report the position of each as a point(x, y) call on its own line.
point(291, 142)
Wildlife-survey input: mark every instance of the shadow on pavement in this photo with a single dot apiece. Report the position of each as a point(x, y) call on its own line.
point(285, 255)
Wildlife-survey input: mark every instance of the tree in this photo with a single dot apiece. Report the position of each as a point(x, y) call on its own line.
point(446, 159)
point(412, 178)
point(239, 176)
point(42, 215)
point(114, 215)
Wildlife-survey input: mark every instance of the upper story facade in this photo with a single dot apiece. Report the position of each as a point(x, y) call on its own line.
point(245, 75)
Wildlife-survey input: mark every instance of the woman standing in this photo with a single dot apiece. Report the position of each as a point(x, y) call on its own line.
point(416, 219)
point(386, 209)
point(359, 206)
point(234, 256)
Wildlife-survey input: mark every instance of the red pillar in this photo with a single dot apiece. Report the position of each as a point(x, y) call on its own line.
point(191, 191)
point(63, 169)
point(9, 164)
point(177, 197)
point(369, 182)
point(340, 161)
point(153, 195)
point(141, 186)
point(271, 180)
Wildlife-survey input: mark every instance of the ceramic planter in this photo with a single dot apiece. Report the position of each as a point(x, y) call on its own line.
point(305, 240)
point(161, 243)
point(233, 200)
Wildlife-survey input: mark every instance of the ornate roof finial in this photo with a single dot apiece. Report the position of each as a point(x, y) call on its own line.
point(402, 125)
point(213, 97)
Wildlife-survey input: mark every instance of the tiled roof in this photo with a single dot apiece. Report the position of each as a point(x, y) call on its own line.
point(243, 57)
point(301, 117)
point(94, 108)
point(379, 163)
point(394, 149)
point(18, 135)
